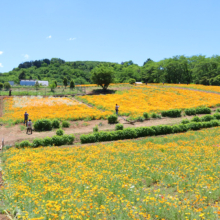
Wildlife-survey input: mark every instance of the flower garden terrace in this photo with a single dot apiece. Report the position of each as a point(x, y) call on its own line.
point(174, 177)
point(136, 101)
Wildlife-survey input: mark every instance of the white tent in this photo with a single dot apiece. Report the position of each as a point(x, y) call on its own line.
point(43, 83)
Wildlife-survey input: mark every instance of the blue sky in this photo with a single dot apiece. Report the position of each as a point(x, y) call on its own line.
point(107, 30)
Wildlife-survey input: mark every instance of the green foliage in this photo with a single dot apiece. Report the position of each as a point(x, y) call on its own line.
point(173, 113)
point(55, 123)
point(72, 84)
point(217, 115)
point(7, 85)
point(1, 86)
point(132, 81)
point(59, 132)
point(119, 127)
point(203, 110)
point(43, 125)
point(207, 118)
point(146, 115)
point(194, 125)
point(23, 144)
point(102, 76)
point(112, 119)
point(95, 129)
point(37, 85)
point(154, 115)
point(218, 110)
point(140, 118)
point(52, 86)
point(196, 119)
point(37, 142)
point(57, 140)
point(65, 124)
point(185, 121)
point(190, 111)
point(47, 141)
point(65, 82)
point(87, 138)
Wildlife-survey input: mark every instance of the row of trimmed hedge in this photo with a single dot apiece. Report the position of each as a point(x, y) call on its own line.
point(56, 140)
point(130, 133)
point(204, 118)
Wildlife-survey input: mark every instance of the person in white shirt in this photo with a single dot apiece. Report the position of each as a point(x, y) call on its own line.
point(29, 126)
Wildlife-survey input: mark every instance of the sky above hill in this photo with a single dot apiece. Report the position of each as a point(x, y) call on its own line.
point(110, 30)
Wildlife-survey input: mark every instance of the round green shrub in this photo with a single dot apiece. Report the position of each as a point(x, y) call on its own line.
point(59, 132)
point(185, 121)
point(95, 129)
point(190, 111)
point(57, 140)
point(65, 124)
point(132, 81)
point(112, 119)
point(43, 125)
point(25, 143)
point(1, 86)
point(196, 119)
point(146, 115)
point(55, 123)
point(119, 127)
point(37, 142)
point(7, 85)
point(47, 141)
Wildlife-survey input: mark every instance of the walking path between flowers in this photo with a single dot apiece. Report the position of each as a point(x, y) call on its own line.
point(16, 134)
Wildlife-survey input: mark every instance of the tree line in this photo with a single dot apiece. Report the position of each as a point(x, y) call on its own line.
point(195, 69)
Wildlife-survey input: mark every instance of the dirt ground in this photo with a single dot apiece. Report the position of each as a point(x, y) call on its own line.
point(15, 134)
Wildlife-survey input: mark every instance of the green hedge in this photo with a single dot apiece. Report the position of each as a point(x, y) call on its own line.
point(190, 111)
point(173, 113)
point(119, 127)
point(43, 125)
point(112, 119)
point(47, 141)
point(130, 133)
point(203, 110)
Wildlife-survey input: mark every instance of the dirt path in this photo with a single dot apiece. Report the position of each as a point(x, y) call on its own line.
point(15, 134)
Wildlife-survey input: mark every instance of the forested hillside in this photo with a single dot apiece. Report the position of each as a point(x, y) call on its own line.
point(195, 69)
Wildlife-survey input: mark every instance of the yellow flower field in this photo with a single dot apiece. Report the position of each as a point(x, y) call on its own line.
point(152, 99)
point(39, 107)
point(190, 86)
point(176, 177)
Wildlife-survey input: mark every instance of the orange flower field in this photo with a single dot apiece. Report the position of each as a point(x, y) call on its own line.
point(39, 107)
point(173, 177)
point(152, 99)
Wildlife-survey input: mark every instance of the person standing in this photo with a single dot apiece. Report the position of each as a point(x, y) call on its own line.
point(25, 118)
point(116, 109)
point(29, 126)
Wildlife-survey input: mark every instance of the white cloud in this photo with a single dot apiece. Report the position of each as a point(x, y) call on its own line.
point(1, 52)
point(1, 65)
point(49, 36)
point(73, 38)
point(26, 56)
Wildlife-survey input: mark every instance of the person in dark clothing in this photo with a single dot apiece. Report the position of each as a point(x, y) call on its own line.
point(29, 126)
point(10, 92)
point(25, 118)
point(116, 109)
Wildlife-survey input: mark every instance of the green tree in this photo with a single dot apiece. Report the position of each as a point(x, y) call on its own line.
point(72, 84)
point(1, 86)
point(7, 85)
point(52, 87)
point(22, 75)
point(55, 82)
point(102, 76)
point(65, 82)
point(37, 85)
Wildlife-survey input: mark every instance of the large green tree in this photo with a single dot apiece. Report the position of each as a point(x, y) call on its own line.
point(102, 76)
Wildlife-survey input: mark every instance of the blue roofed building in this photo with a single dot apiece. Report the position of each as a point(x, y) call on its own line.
point(27, 82)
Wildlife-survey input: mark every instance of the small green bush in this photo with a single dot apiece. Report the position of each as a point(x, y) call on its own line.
point(7, 85)
point(59, 132)
point(68, 139)
point(132, 81)
point(119, 127)
point(1, 86)
point(140, 118)
point(217, 116)
point(55, 123)
point(65, 124)
point(25, 143)
point(185, 121)
point(47, 141)
point(207, 118)
point(190, 111)
point(194, 125)
point(173, 113)
point(43, 125)
point(218, 110)
point(57, 140)
point(87, 138)
point(176, 129)
point(95, 129)
point(203, 110)
point(215, 123)
point(112, 119)
point(37, 142)
point(154, 115)
point(129, 133)
point(196, 119)
point(146, 115)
